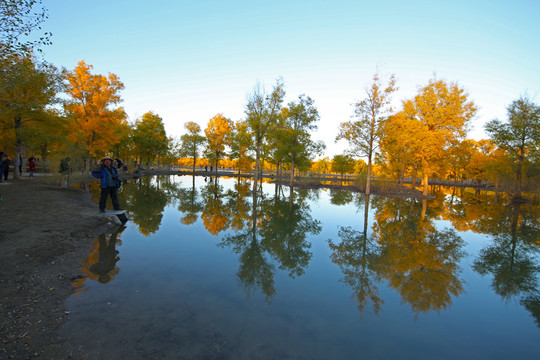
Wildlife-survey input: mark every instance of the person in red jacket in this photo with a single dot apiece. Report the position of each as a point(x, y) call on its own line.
point(31, 166)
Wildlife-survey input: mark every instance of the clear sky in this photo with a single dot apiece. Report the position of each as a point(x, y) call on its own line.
point(190, 60)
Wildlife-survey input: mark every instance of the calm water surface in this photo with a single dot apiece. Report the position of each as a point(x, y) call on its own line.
point(203, 270)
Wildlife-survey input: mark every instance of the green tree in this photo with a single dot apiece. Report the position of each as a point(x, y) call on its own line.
point(191, 141)
point(262, 112)
point(519, 135)
point(301, 119)
point(18, 19)
point(149, 137)
point(363, 133)
point(27, 88)
point(342, 164)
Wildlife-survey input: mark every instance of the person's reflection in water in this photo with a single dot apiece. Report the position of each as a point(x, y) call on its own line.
point(108, 256)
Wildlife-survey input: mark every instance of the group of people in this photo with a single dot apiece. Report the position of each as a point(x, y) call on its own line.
point(5, 163)
point(106, 172)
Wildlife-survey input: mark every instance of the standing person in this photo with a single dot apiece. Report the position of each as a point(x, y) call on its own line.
point(65, 170)
point(20, 165)
point(109, 183)
point(3, 158)
point(6, 168)
point(31, 166)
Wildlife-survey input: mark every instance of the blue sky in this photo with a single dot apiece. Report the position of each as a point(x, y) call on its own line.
point(190, 60)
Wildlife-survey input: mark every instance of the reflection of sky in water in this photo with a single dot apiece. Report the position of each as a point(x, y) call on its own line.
point(176, 294)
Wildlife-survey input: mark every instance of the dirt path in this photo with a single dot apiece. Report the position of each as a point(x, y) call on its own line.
point(45, 232)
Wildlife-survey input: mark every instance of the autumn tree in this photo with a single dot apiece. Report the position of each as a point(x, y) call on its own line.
point(191, 141)
point(363, 132)
point(262, 112)
point(322, 166)
point(241, 145)
point(519, 135)
point(428, 123)
point(124, 146)
point(27, 89)
point(149, 137)
point(96, 122)
point(459, 156)
point(396, 149)
point(18, 20)
point(218, 137)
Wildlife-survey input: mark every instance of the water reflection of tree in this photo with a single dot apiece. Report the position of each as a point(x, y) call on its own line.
point(237, 202)
point(215, 215)
point(470, 212)
point(189, 204)
point(407, 251)
point(284, 226)
point(358, 258)
point(512, 257)
point(146, 201)
point(255, 270)
point(276, 231)
point(341, 197)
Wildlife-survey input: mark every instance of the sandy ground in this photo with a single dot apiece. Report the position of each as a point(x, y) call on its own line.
point(45, 233)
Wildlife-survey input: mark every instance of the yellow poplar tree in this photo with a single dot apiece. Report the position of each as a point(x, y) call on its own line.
point(430, 121)
point(96, 123)
point(218, 135)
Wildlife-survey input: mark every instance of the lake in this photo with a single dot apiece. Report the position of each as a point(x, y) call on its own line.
point(204, 270)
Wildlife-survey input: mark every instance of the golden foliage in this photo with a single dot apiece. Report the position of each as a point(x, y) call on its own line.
point(95, 122)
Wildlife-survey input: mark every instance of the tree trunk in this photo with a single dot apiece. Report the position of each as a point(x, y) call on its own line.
point(366, 213)
point(256, 175)
point(262, 172)
point(425, 183)
point(87, 163)
point(44, 162)
point(519, 171)
point(292, 173)
point(277, 176)
point(368, 179)
point(18, 142)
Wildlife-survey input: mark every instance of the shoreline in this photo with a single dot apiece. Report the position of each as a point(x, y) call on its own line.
point(46, 231)
point(300, 182)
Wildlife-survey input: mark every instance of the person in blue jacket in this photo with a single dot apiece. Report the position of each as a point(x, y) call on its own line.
point(109, 183)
